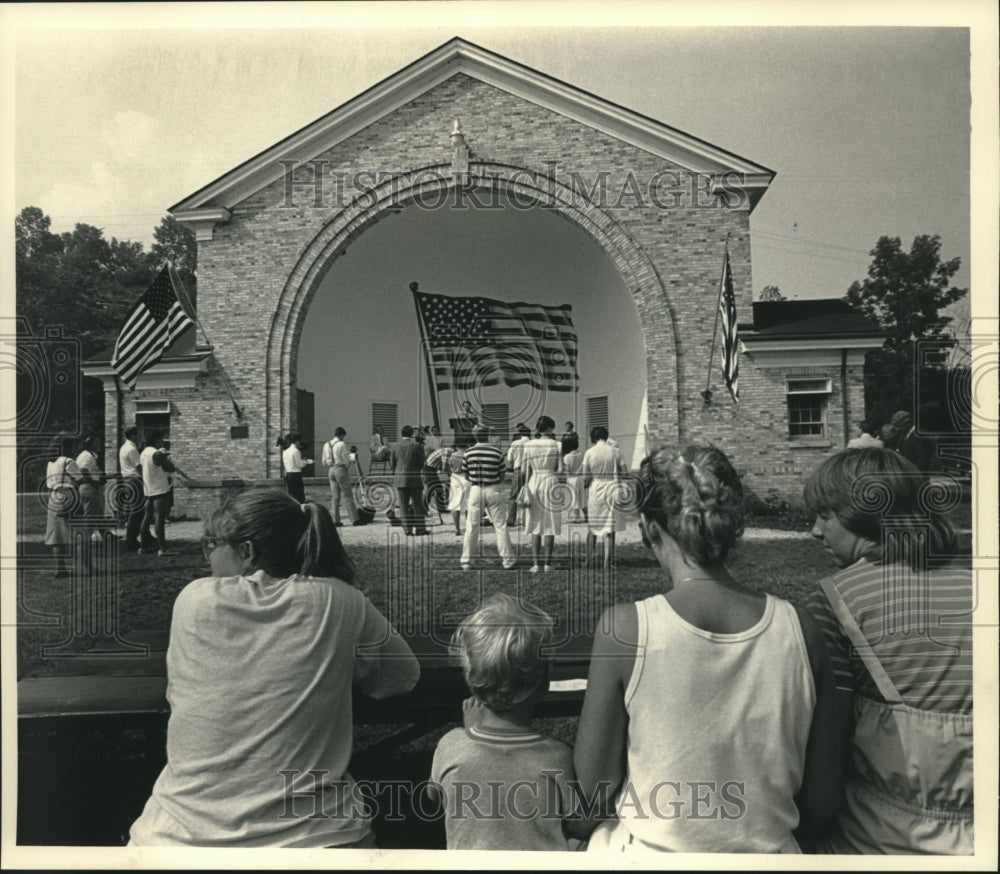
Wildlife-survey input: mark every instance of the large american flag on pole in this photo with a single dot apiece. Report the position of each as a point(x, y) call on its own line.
point(476, 341)
point(730, 340)
point(152, 325)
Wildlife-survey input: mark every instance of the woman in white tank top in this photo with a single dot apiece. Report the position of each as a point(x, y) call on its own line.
point(707, 723)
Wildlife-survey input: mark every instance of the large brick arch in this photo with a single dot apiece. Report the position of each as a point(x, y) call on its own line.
point(637, 269)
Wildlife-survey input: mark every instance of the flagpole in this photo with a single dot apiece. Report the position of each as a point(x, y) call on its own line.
point(427, 361)
point(707, 393)
point(174, 275)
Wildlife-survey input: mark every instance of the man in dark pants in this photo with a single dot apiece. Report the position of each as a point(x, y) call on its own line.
point(917, 449)
point(408, 461)
point(133, 500)
point(156, 482)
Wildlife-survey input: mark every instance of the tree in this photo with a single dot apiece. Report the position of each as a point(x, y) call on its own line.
point(96, 283)
point(32, 235)
point(77, 279)
point(176, 243)
point(904, 294)
point(905, 291)
point(86, 284)
point(772, 293)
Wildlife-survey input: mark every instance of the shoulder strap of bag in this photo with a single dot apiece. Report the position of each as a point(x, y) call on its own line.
point(861, 644)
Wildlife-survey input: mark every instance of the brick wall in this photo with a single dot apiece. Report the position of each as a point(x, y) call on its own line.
point(259, 272)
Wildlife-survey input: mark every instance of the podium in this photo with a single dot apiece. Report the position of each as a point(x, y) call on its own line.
point(462, 429)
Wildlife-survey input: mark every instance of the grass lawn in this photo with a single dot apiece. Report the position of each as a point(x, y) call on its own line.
point(779, 562)
point(416, 582)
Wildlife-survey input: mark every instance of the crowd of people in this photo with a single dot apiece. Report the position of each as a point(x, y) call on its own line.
point(140, 501)
point(716, 718)
point(899, 434)
point(469, 478)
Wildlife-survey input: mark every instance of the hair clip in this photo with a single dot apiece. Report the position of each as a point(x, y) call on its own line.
point(694, 467)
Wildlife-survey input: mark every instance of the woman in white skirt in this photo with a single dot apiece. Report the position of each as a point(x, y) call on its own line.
point(542, 464)
point(601, 470)
point(62, 479)
point(572, 462)
point(458, 489)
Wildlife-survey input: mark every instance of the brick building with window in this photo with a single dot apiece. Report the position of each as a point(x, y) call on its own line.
point(656, 207)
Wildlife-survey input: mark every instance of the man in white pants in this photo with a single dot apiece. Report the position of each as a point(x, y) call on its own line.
point(484, 466)
point(337, 455)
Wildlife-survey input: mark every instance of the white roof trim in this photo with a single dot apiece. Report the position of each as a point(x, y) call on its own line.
point(450, 59)
point(769, 344)
point(170, 373)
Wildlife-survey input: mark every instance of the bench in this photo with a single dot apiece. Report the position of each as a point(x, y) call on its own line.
point(102, 740)
point(436, 699)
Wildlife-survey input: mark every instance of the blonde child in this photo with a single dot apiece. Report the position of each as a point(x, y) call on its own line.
point(503, 785)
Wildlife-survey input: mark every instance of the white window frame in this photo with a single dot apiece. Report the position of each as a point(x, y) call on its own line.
point(153, 413)
point(805, 388)
point(153, 407)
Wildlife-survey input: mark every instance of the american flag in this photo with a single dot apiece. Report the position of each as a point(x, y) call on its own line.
point(476, 341)
point(730, 341)
point(152, 325)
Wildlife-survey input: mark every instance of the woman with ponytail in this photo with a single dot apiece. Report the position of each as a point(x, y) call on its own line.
point(705, 725)
point(264, 655)
point(897, 622)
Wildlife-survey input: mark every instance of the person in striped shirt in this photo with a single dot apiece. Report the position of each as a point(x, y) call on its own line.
point(483, 464)
point(897, 622)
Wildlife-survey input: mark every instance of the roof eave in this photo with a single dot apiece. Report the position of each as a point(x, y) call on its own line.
point(845, 340)
point(454, 57)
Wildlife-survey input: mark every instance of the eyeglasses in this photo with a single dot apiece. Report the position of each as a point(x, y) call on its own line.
point(210, 544)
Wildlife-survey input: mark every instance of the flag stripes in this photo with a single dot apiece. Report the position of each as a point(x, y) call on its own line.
point(730, 340)
point(477, 341)
point(151, 327)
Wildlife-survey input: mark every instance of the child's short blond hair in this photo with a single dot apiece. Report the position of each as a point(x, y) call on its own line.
point(500, 648)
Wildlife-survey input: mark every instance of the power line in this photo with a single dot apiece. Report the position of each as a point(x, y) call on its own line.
point(808, 254)
point(795, 238)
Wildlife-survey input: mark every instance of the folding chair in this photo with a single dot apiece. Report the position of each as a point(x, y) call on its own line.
point(382, 466)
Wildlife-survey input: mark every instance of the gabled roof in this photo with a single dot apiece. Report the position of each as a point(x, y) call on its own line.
point(460, 57)
point(827, 317)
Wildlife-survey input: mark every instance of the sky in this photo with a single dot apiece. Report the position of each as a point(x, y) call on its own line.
point(122, 111)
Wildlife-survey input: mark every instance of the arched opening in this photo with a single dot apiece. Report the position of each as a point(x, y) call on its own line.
point(346, 327)
point(360, 343)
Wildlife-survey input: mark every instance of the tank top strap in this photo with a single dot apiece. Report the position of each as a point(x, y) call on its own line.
point(864, 649)
point(642, 639)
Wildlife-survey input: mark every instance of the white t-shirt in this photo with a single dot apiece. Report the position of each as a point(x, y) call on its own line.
point(259, 681)
point(865, 441)
point(128, 459)
point(154, 478)
point(87, 462)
